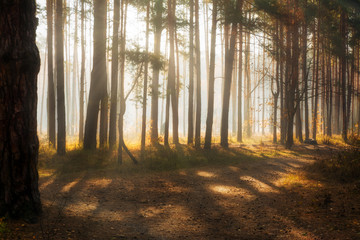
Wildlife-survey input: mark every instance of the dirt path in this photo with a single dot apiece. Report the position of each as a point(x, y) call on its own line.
point(271, 198)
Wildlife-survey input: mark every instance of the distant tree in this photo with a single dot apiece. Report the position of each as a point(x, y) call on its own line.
point(19, 66)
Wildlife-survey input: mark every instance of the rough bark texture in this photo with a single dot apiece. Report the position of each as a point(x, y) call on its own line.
point(19, 66)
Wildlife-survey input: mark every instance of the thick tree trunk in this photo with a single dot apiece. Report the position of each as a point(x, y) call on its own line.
point(98, 75)
point(19, 66)
point(51, 86)
point(210, 113)
point(59, 56)
point(114, 74)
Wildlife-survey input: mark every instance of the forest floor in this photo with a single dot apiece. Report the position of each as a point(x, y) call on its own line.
point(251, 191)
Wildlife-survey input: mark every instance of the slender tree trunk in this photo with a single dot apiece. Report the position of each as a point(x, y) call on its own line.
point(19, 193)
point(156, 72)
point(240, 79)
point(51, 87)
point(103, 133)
point(124, 4)
point(198, 77)
point(210, 113)
point(191, 76)
point(59, 56)
point(143, 124)
point(114, 74)
point(305, 77)
point(316, 84)
point(82, 74)
point(343, 66)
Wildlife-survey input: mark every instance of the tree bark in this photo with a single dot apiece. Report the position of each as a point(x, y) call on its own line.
point(98, 75)
point(19, 66)
point(191, 76)
point(51, 86)
point(198, 77)
point(210, 113)
point(114, 74)
point(157, 21)
point(59, 56)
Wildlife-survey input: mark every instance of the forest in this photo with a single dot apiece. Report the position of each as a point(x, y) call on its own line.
point(165, 119)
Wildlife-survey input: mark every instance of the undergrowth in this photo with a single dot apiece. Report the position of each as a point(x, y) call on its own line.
point(343, 167)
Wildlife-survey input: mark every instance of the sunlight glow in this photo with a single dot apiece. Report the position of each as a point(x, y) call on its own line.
point(231, 191)
point(258, 185)
point(206, 174)
point(69, 186)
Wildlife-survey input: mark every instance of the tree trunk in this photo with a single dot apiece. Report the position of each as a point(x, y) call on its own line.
point(98, 76)
point(343, 72)
point(229, 59)
point(157, 21)
point(59, 56)
point(143, 123)
point(191, 76)
point(114, 74)
point(51, 87)
point(210, 113)
point(240, 79)
point(103, 77)
point(198, 77)
point(124, 4)
point(82, 74)
point(19, 66)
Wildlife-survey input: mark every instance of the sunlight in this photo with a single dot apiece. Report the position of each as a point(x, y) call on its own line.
point(206, 174)
point(81, 207)
point(45, 184)
point(231, 191)
point(99, 183)
point(69, 186)
point(258, 185)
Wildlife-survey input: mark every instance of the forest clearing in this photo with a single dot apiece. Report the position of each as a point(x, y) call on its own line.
point(180, 119)
point(253, 191)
